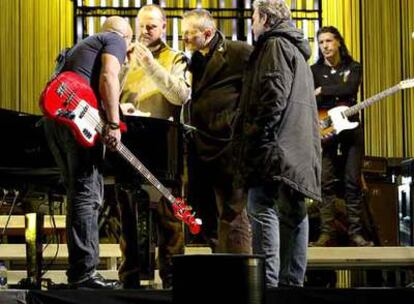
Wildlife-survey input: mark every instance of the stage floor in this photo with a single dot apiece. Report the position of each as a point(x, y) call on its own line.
point(278, 295)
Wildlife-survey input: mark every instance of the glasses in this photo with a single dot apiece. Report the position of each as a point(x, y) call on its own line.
point(192, 33)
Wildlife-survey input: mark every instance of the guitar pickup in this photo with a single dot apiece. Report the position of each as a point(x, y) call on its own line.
point(87, 133)
point(83, 112)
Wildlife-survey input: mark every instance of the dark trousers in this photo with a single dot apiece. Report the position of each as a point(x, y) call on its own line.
point(82, 175)
point(345, 168)
point(227, 205)
point(169, 231)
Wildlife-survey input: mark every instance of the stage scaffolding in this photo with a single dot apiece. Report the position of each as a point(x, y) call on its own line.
point(233, 16)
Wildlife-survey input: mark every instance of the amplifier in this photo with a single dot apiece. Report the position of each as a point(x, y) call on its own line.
point(374, 165)
point(407, 167)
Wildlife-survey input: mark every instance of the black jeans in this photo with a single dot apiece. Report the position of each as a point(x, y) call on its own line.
point(83, 179)
point(345, 168)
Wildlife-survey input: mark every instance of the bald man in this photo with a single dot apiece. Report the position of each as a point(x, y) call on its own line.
point(98, 59)
point(156, 86)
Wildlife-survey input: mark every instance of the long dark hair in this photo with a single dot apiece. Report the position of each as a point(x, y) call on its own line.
point(346, 58)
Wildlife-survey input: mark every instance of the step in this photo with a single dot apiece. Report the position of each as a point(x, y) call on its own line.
point(18, 251)
point(353, 257)
point(335, 258)
point(329, 257)
point(18, 221)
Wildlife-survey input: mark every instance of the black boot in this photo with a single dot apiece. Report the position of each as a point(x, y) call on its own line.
point(96, 282)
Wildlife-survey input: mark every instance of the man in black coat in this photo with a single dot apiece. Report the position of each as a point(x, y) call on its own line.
point(217, 67)
point(337, 78)
point(278, 143)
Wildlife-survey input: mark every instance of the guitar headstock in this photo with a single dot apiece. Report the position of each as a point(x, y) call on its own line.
point(406, 84)
point(183, 212)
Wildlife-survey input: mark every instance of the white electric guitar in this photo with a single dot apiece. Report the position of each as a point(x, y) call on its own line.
point(335, 120)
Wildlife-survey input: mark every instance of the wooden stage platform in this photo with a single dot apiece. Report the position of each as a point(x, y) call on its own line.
point(277, 295)
point(345, 261)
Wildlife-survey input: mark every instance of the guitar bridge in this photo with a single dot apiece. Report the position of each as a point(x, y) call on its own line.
point(65, 113)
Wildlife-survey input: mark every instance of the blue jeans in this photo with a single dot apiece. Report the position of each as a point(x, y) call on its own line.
point(280, 232)
point(81, 170)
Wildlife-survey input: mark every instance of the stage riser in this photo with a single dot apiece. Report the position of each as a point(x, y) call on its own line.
point(345, 261)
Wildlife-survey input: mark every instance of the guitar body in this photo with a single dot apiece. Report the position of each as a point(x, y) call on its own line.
point(69, 99)
point(333, 121)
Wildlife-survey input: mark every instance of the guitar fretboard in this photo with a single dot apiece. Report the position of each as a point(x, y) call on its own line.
point(130, 157)
point(358, 107)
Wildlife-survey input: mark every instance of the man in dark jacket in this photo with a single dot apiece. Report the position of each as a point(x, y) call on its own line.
point(217, 68)
point(337, 78)
point(278, 143)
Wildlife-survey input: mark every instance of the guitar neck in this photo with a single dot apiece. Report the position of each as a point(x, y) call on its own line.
point(358, 107)
point(127, 154)
point(130, 157)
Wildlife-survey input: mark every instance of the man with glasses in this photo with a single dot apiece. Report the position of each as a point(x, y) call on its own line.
point(217, 67)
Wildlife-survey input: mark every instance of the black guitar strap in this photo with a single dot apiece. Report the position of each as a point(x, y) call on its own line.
point(60, 62)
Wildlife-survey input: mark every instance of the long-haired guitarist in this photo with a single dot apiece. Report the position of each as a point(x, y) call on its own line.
point(97, 59)
point(337, 79)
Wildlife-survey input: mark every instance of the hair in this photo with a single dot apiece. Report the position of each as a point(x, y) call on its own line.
point(202, 17)
point(274, 10)
point(152, 7)
point(343, 50)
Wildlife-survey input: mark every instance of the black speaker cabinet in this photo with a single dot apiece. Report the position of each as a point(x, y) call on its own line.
point(219, 278)
point(382, 204)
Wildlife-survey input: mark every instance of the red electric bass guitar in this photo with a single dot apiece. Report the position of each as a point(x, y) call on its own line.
point(69, 99)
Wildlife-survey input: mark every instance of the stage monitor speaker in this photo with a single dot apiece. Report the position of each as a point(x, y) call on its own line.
point(382, 203)
point(218, 278)
point(374, 165)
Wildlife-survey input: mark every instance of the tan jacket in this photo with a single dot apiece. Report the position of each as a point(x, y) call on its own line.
point(159, 90)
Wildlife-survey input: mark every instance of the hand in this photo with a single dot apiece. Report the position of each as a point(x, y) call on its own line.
point(143, 54)
point(130, 52)
point(318, 91)
point(127, 108)
point(111, 137)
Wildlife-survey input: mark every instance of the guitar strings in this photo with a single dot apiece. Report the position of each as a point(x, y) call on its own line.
point(121, 148)
point(128, 154)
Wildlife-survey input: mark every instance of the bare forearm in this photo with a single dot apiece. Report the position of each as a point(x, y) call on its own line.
point(109, 89)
